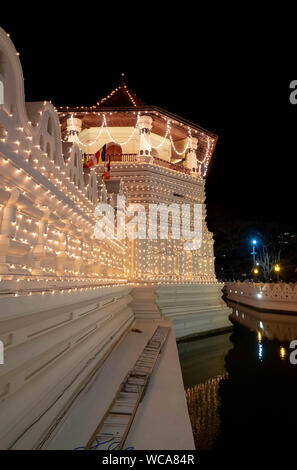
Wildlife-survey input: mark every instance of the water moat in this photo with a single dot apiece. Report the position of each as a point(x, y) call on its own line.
point(240, 386)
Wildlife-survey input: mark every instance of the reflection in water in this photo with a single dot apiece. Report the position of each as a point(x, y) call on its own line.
point(203, 358)
point(283, 352)
point(259, 336)
point(279, 326)
point(203, 401)
point(241, 387)
point(203, 367)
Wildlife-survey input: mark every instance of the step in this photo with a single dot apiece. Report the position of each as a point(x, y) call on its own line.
point(112, 431)
point(128, 397)
point(117, 419)
point(123, 408)
point(115, 429)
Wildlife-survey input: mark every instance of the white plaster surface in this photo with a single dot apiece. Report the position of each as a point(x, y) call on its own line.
point(162, 420)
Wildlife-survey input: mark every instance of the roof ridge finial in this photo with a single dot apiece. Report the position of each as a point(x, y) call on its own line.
point(123, 79)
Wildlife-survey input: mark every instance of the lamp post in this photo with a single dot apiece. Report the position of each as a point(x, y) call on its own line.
point(254, 243)
point(255, 273)
point(277, 270)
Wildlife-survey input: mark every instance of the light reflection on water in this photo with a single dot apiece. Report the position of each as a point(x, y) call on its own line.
point(235, 379)
point(203, 367)
point(274, 326)
point(203, 402)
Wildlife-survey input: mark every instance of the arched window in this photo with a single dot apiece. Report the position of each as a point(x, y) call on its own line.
point(50, 126)
point(48, 150)
point(1, 92)
point(113, 149)
point(41, 143)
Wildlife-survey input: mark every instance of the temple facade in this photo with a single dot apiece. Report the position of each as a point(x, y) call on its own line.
point(67, 297)
point(156, 158)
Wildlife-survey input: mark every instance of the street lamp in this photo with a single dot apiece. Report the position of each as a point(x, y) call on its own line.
point(254, 243)
point(256, 271)
point(277, 270)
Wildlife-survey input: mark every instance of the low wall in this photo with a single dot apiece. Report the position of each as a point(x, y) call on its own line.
point(279, 297)
point(52, 345)
point(193, 309)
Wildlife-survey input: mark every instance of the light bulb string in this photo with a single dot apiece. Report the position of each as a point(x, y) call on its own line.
point(89, 143)
point(189, 142)
point(168, 132)
point(129, 138)
point(164, 138)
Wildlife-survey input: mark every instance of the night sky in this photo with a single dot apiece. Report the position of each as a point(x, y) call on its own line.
point(235, 88)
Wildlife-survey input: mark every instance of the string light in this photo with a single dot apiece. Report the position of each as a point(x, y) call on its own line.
point(164, 138)
point(72, 253)
point(129, 138)
point(77, 139)
point(210, 140)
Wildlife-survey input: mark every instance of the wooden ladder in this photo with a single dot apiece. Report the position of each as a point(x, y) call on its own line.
point(113, 429)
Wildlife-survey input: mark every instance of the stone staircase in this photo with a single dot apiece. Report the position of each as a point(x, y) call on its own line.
point(144, 303)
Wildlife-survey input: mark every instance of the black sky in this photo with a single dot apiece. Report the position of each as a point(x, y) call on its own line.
point(232, 86)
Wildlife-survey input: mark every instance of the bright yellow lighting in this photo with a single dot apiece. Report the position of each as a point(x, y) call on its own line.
point(259, 336)
point(277, 267)
point(283, 352)
point(256, 271)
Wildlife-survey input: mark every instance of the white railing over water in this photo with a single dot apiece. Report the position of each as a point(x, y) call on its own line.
point(279, 296)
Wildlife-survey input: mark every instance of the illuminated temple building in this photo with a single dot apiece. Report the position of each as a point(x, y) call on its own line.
point(68, 298)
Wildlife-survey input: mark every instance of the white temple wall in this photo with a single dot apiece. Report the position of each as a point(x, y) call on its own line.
point(57, 320)
point(64, 299)
point(193, 309)
point(51, 345)
point(153, 184)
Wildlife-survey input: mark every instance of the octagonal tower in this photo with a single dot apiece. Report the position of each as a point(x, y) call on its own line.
point(160, 159)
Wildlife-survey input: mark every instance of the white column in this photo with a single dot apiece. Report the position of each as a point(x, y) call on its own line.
point(145, 126)
point(9, 214)
point(61, 258)
point(74, 126)
point(39, 252)
point(191, 160)
point(8, 246)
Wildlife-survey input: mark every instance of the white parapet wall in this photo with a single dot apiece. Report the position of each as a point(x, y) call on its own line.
point(63, 304)
point(266, 296)
point(193, 309)
point(52, 346)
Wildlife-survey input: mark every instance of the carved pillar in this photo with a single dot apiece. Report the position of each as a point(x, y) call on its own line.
point(9, 246)
point(39, 252)
point(74, 126)
point(145, 126)
point(62, 257)
point(78, 262)
point(191, 160)
point(9, 214)
point(91, 263)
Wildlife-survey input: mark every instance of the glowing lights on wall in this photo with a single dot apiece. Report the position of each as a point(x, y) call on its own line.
point(49, 227)
point(208, 145)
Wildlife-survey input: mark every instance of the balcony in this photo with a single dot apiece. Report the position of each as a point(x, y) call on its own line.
point(132, 158)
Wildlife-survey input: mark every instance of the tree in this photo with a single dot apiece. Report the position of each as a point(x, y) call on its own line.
point(269, 251)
